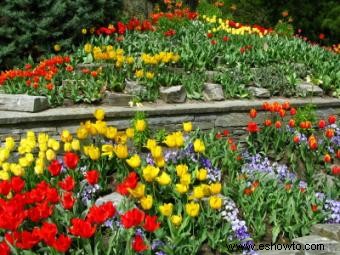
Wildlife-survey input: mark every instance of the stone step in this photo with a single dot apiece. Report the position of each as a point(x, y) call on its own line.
point(320, 245)
point(331, 231)
point(23, 103)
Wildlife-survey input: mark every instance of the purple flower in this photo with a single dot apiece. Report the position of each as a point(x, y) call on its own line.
point(230, 213)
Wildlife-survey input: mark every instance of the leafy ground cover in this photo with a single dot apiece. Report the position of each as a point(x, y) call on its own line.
point(182, 190)
point(177, 47)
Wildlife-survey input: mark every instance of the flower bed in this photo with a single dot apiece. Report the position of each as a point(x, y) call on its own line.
point(180, 190)
point(240, 58)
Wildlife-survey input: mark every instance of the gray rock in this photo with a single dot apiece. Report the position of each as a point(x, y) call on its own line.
point(132, 87)
point(236, 119)
point(174, 94)
point(331, 231)
point(92, 66)
point(320, 245)
point(118, 99)
point(212, 92)
point(114, 197)
point(259, 92)
point(306, 89)
point(23, 103)
point(211, 75)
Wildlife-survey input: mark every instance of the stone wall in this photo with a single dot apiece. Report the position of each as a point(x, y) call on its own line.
point(231, 115)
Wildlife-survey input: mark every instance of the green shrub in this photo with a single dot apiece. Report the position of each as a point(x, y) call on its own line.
point(205, 8)
point(30, 27)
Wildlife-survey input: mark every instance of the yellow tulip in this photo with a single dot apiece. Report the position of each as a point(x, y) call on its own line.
point(107, 150)
point(30, 134)
point(215, 202)
point(4, 175)
point(99, 114)
point(215, 188)
point(67, 147)
point(130, 132)
point(206, 189)
point(56, 146)
point(199, 146)
point(170, 141)
point(84, 31)
point(121, 138)
point(139, 73)
point(111, 132)
point(50, 155)
point(185, 179)
point(42, 138)
point(150, 144)
point(94, 152)
point(4, 154)
point(17, 170)
point(23, 162)
point(6, 166)
point(38, 169)
point(66, 136)
point(43, 146)
point(157, 152)
point(29, 157)
point(176, 219)
point(140, 125)
point(179, 139)
point(166, 209)
point(187, 126)
point(192, 209)
point(9, 143)
point(181, 188)
point(134, 161)
point(138, 191)
point(121, 151)
point(181, 169)
point(57, 47)
point(198, 192)
point(150, 173)
point(160, 162)
point(101, 127)
point(75, 144)
point(150, 75)
point(42, 154)
point(202, 174)
point(82, 133)
point(146, 202)
point(163, 179)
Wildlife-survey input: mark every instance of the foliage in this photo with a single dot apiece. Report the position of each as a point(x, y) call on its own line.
point(35, 28)
point(274, 79)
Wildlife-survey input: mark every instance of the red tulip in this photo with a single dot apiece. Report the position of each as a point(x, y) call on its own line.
point(278, 124)
point(252, 127)
point(151, 223)
point(291, 123)
point(138, 244)
point(267, 123)
point(327, 158)
point(253, 113)
point(331, 119)
point(92, 177)
point(54, 168)
point(71, 160)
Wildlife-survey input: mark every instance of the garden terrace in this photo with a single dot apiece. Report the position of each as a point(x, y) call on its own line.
point(220, 115)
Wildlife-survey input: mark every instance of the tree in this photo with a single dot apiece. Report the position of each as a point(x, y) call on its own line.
point(33, 27)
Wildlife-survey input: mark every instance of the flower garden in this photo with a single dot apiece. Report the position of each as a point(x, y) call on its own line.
point(143, 190)
point(178, 47)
